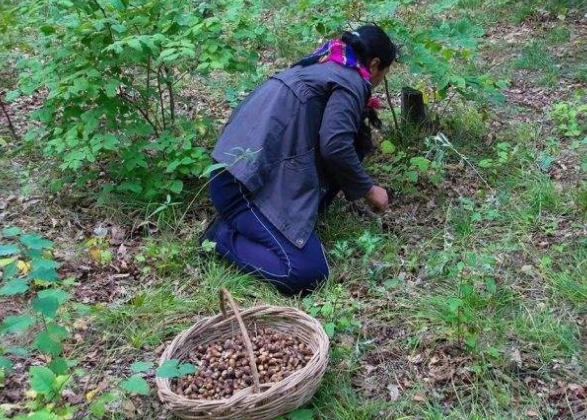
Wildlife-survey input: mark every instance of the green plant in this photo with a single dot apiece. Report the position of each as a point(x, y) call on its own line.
point(570, 118)
point(579, 73)
point(342, 250)
point(437, 49)
point(405, 170)
point(300, 414)
point(368, 243)
point(504, 154)
point(466, 307)
point(136, 384)
point(542, 195)
point(337, 313)
point(581, 199)
point(28, 268)
point(113, 70)
point(536, 56)
point(559, 34)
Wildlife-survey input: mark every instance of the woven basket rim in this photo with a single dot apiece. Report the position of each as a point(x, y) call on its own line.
point(264, 313)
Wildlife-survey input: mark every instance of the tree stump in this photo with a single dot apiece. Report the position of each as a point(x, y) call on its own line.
point(413, 107)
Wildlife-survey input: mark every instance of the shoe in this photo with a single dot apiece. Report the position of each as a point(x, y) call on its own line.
point(212, 230)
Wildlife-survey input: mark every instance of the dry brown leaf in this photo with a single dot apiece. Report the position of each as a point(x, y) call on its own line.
point(526, 268)
point(516, 357)
point(96, 254)
point(393, 392)
point(532, 413)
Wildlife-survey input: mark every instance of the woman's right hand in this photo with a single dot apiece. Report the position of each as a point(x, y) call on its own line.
point(377, 198)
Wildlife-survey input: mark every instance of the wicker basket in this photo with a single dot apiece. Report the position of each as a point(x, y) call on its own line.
point(259, 401)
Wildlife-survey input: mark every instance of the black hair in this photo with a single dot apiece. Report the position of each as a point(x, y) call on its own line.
point(368, 42)
point(364, 139)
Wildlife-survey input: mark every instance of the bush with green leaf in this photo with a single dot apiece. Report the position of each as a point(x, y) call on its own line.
point(28, 268)
point(405, 169)
point(337, 312)
point(112, 70)
point(440, 51)
point(29, 272)
point(570, 118)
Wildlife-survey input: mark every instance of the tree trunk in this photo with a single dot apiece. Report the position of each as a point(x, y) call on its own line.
point(413, 107)
point(10, 125)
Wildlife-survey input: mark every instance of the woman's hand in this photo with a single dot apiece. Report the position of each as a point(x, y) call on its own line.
point(377, 198)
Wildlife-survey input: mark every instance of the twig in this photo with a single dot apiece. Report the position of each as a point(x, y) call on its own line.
point(444, 141)
point(148, 85)
point(161, 97)
point(10, 125)
point(171, 96)
point(105, 18)
point(144, 114)
point(388, 97)
point(448, 101)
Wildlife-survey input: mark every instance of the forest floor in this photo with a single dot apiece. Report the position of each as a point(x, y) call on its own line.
point(466, 300)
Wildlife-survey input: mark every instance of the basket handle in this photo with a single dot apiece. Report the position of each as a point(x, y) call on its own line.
point(224, 296)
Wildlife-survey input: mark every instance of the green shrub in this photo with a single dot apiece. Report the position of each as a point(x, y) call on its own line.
point(570, 118)
point(439, 51)
point(112, 71)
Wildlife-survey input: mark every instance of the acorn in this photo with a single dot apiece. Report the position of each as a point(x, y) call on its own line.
point(224, 366)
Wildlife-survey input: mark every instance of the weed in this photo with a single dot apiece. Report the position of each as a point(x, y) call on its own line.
point(542, 195)
point(535, 56)
point(570, 118)
point(558, 34)
point(579, 73)
point(465, 126)
point(336, 310)
point(548, 332)
point(581, 198)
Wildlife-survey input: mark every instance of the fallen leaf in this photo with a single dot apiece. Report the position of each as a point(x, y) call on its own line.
point(415, 359)
point(393, 392)
point(92, 394)
point(129, 409)
point(532, 413)
point(418, 398)
point(80, 324)
point(71, 396)
point(96, 254)
point(516, 357)
point(117, 235)
point(23, 267)
point(100, 232)
point(526, 268)
point(122, 251)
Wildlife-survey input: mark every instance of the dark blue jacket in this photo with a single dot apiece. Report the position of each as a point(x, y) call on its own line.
point(292, 137)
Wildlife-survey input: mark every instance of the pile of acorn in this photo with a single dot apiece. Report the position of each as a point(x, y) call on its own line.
point(223, 368)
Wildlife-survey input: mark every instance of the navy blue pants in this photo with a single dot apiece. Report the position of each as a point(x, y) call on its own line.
point(245, 237)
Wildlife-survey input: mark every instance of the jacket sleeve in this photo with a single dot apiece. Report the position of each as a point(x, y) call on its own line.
point(340, 125)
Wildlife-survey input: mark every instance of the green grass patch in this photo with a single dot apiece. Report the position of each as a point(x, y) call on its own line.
point(535, 56)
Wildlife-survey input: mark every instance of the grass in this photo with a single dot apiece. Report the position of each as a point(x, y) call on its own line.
point(455, 280)
point(535, 56)
point(579, 73)
point(458, 299)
